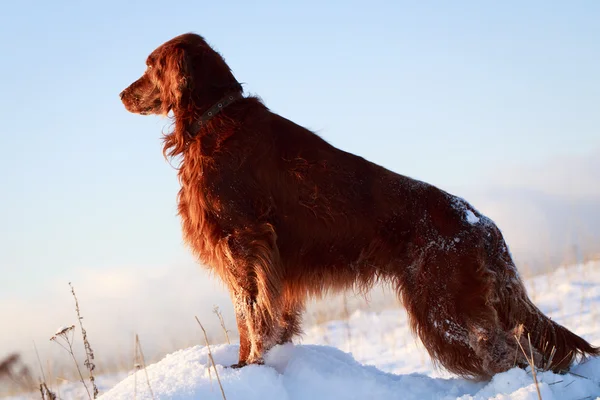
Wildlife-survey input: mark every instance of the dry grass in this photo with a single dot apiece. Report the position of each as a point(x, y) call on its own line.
point(62, 338)
point(138, 357)
point(219, 315)
point(211, 359)
point(46, 393)
point(529, 359)
point(89, 353)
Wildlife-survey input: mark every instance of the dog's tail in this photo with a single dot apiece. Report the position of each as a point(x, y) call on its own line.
point(554, 346)
point(557, 345)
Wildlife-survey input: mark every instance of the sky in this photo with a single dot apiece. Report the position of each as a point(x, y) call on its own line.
point(497, 103)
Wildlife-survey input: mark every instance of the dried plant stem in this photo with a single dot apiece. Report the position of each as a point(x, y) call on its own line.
point(79, 372)
point(47, 394)
point(533, 371)
point(518, 333)
point(212, 360)
point(531, 362)
point(64, 335)
point(135, 368)
point(44, 381)
point(549, 362)
point(39, 362)
point(565, 357)
point(89, 353)
point(139, 351)
point(220, 316)
point(210, 378)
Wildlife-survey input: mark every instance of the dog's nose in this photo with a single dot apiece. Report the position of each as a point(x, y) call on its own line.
point(121, 95)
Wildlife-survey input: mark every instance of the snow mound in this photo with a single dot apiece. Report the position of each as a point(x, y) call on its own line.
point(321, 372)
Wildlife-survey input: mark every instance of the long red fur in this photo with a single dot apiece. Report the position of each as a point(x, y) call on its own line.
point(280, 215)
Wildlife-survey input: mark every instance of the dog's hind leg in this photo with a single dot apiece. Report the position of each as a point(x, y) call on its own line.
point(450, 296)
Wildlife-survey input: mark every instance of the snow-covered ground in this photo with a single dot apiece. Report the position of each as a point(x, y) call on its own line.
point(372, 355)
point(312, 372)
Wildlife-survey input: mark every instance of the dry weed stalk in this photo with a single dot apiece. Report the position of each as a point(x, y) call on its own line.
point(533, 371)
point(61, 337)
point(89, 353)
point(211, 359)
point(529, 359)
point(47, 394)
point(136, 367)
point(217, 311)
point(139, 357)
point(37, 354)
point(52, 379)
point(210, 378)
point(549, 361)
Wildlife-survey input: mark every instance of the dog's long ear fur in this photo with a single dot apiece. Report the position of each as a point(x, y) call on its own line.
point(177, 80)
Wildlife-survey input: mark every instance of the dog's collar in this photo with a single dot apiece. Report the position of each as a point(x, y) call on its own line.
point(211, 112)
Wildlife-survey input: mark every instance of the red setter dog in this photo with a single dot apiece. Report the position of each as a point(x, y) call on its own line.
point(280, 215)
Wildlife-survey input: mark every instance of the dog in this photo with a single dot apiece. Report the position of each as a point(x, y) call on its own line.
point(281, 215)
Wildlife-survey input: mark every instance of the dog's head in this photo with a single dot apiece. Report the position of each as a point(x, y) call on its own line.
point(182, 73)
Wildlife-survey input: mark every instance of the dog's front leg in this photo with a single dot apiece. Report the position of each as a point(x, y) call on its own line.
point(257, 291)
point(238, 298)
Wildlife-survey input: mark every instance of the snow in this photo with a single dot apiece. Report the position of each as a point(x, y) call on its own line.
point(372, 355)
point(377, 358)
point(291, 372)
point(63, 329)
point(462, 206)
point(471, 217)
point(322, 372)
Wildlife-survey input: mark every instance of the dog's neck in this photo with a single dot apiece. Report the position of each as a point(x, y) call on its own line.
point(211, 112)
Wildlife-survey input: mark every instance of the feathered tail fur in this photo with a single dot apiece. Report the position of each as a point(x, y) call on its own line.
point(555, 347)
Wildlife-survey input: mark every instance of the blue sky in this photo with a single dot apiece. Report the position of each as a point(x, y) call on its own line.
point(448, 92)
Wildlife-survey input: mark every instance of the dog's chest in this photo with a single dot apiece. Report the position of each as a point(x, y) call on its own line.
point(199, 210)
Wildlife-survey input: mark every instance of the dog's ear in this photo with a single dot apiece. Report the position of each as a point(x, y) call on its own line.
point(178, 80)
